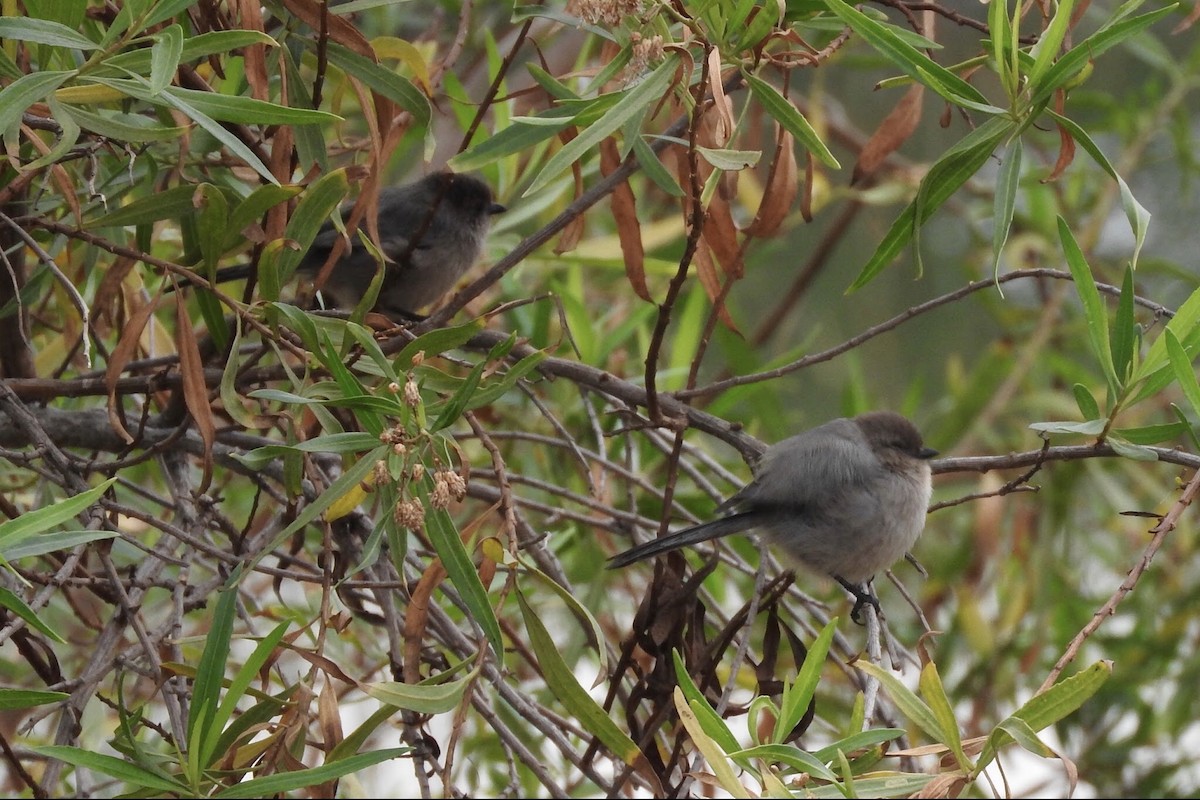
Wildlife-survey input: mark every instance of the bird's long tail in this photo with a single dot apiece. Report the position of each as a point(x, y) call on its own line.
point(734, 523)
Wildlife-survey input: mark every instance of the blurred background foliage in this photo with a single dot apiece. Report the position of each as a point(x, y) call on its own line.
point(253, 550)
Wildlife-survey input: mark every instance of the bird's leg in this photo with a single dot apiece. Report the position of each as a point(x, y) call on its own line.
point(862, 596)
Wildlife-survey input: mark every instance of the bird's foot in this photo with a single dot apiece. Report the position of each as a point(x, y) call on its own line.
point(862, 598)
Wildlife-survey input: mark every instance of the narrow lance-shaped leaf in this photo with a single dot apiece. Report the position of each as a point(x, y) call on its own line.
point(462, 572)
point(1135, 212)
point(911, 60)
point(788, 116)
point(799, 693)
point(164, 57)
point(934, 693)
point(706, 716)
point(951, 171)
point(1005, 201)
point(1094, 313)
point(650, 90)
point(1185, 375)
point(1049, 707)
point(1124, 331)
point(907, 701)
point(560, 677)
point(713, 754)
point(1050, 41)
point(1186, 327)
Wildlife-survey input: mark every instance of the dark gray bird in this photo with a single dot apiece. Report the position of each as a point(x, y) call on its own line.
point(431, 231)
point(847, 498)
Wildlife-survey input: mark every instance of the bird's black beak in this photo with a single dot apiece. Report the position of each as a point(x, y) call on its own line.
point(927, 452)
point(496, 208)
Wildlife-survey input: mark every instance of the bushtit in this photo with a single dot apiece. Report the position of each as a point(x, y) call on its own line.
point(431, 231)
point(847, 498)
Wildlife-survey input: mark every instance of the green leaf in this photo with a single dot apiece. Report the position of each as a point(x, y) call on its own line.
point(632, 103)
point(1093, 427)
point(454, 407)
point(1138, 216)
point(121, 127)
point(793, 757)
point(164, 57)
point(1045, 51)
point(1185, 375)
point(1153, 370)
point(1153, 434)
point(130, 774)
point(11, 699)
point(203, 725)
point(728, 160)
point(444, 536)
point(1094, 312)
point(908, 703)
point(194, 48)
point(433, 696)
point(707, 719)
point(380, 79)
point(15, 531)
point(1049, 707)
point(799, 693)
point(44, 31)
point(717, 760)
point(24, 92)
point(912, 61)
point(519, 137)
point(19, 607)
point(934, 693)
point(264, 651)
point(301, 779)
point(951, 171)
point(1088, 408)
point(1005, 201)
point(250, 209)
point(51, 541)
point(171, 203)
point(1124, 332)
point(345, 483)
point(857, 741)
point(1129, 450)
point(790, 118)
point(1001, 36)
point(1074, 60)
point(318, 203)
point(560, 677)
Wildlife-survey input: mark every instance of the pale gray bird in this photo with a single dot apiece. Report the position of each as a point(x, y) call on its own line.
point(431, 231)
point(847, 498)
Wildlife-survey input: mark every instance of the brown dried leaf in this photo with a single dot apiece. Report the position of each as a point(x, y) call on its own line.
point(894, 131)
point(195, 390)
point(572, 232)
point(720, 233)
point(340, 29)
point(946, 785)
point(629, 230)
point(806, 197)
point(254, 56)
point(781, 189)
point(706, 270)
point(121, 355)
point(1066, 149)
point(1187, 21)
point(329, 719)
point(416, 616)
point(722, 106)
point(104, 307)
